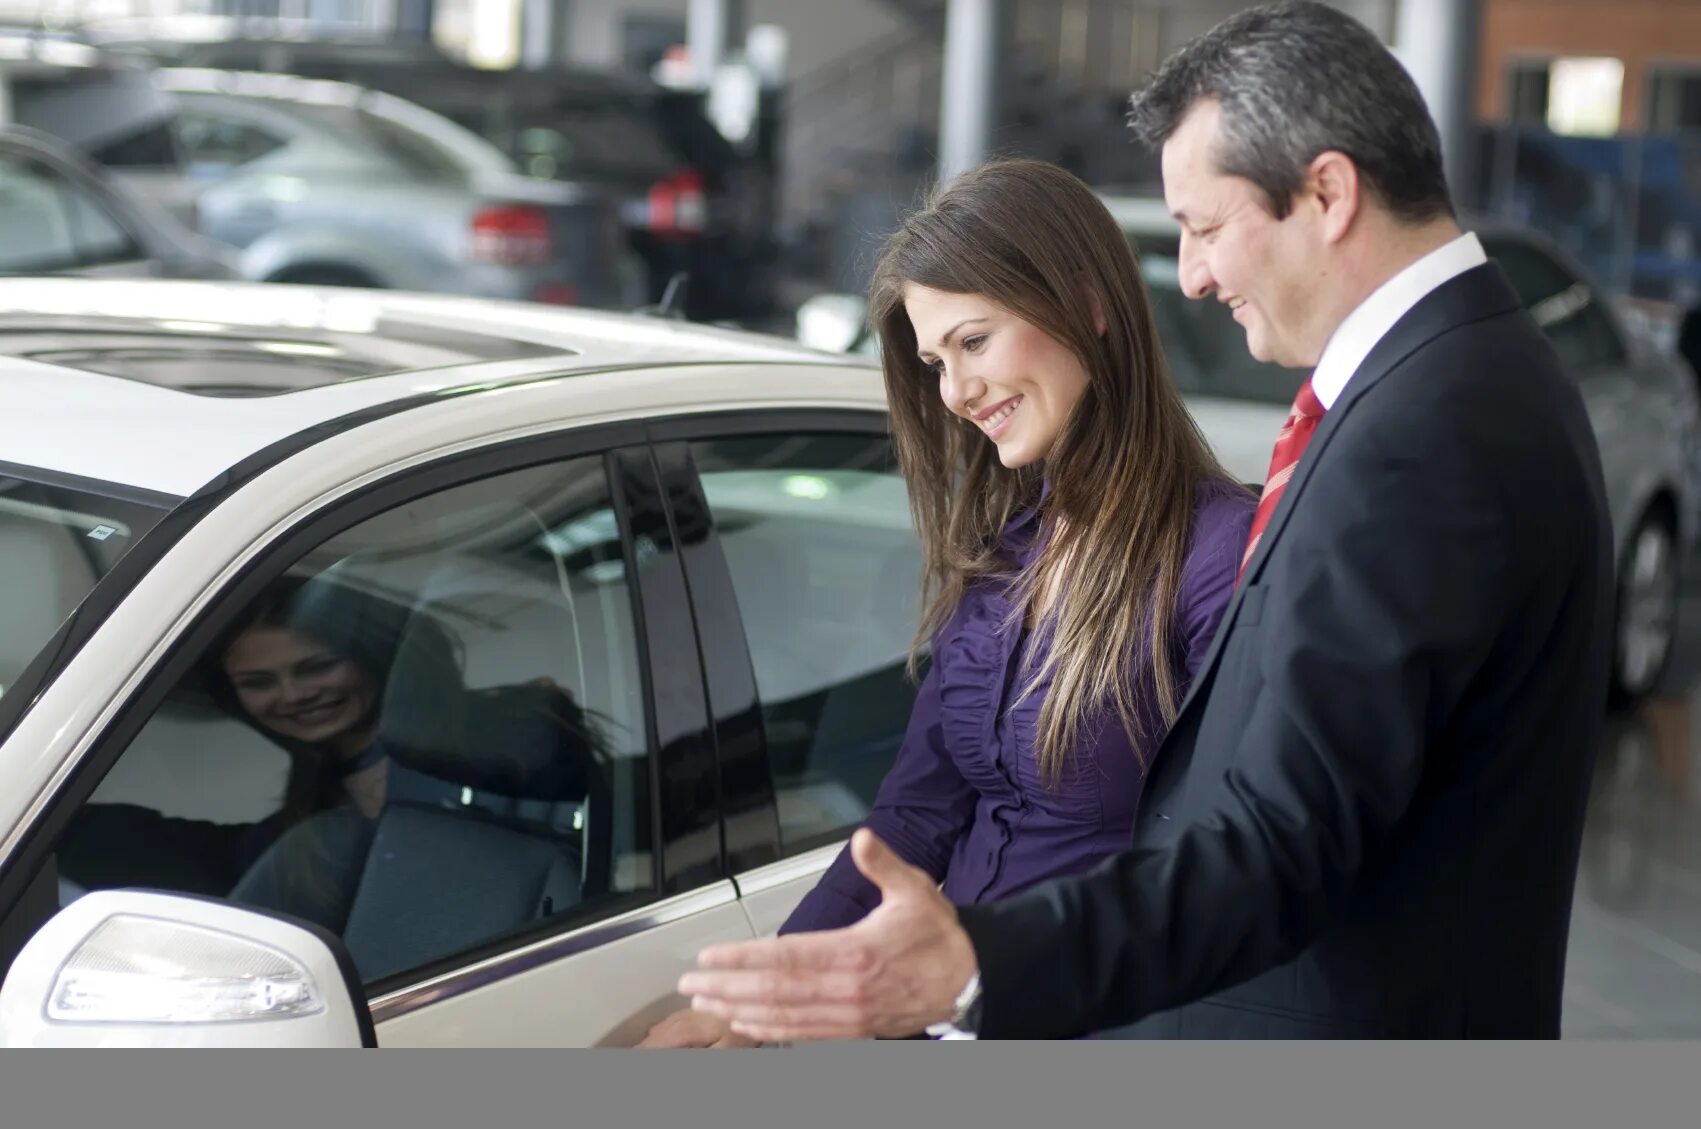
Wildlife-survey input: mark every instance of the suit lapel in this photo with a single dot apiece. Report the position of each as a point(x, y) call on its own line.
point(1479, 293)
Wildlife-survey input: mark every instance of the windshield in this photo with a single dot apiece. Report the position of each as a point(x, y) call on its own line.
point(1205, 346)
point(57, 542)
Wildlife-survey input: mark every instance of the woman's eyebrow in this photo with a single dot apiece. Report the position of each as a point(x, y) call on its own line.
point(945, 341)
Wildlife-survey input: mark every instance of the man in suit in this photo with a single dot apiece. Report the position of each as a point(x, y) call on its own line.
point(1367, 818)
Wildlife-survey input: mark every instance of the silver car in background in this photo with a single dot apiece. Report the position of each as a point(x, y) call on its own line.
point(1641, 400)
point(332, 184)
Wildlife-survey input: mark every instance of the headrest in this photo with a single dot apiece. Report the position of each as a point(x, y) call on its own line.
point(529, 742)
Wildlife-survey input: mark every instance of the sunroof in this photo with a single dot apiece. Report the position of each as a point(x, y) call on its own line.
point(216, 358)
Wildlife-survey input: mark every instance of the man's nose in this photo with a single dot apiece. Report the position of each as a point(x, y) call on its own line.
point(1194, 273)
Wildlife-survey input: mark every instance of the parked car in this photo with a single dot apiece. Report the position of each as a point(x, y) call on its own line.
point(1645, 409)
point(327, 183)
point(60, 214)
point(690, 202)
point(695, 537)
point(102, 103)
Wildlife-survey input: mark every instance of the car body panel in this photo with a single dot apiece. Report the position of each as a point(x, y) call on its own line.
point(604, 985)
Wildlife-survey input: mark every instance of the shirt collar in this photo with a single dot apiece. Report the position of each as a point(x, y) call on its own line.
point(1377, 314)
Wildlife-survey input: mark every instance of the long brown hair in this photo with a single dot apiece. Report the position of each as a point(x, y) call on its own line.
point(1122, 474)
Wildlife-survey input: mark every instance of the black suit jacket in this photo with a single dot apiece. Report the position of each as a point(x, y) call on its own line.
point(1367, 817)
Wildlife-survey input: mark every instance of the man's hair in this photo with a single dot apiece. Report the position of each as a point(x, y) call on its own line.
point(1294, 80)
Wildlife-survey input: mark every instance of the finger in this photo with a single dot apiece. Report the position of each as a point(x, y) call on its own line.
point(771, 1033)
point(845, 1017)
point(882, 866)
point(799, 952)
point(775, 987)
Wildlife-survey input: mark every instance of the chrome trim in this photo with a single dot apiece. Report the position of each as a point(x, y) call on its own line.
point(392, 1005)
point(776, 874)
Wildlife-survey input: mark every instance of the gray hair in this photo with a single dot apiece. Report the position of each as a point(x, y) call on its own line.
point(1294, 80)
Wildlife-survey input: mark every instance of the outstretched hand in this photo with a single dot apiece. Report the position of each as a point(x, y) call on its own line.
point(892, 974)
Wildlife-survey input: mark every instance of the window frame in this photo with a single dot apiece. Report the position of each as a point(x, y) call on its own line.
point(752, 839)
point(35, 863)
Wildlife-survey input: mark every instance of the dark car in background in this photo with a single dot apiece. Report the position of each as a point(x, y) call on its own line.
point(60, 214)
point(690, 202)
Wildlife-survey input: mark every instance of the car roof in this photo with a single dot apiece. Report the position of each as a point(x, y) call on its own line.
point(162, 385)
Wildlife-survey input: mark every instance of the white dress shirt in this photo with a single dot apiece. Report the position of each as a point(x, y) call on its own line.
point(1376, 315)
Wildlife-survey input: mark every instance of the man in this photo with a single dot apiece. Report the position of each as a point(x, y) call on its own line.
point(1366, 820)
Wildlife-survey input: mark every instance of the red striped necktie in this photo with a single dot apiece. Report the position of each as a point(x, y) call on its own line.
point(1301, 424)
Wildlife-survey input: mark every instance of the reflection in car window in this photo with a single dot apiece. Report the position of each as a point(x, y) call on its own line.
point(426, 736)
point(826, 569)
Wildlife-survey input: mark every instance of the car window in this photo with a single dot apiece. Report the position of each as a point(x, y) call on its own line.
point(826, 569)
point(216, 142)
point(1563, 304)
point(49, 224)
point(100, 237)
point(427, 735)
point(57, 542)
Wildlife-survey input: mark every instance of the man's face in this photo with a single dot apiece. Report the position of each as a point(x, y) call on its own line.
point(1268, 271)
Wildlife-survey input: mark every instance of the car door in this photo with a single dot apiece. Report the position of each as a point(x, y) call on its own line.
point(513, 630)
point(805, 577)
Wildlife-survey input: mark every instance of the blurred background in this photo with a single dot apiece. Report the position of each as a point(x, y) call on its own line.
point(739, 161)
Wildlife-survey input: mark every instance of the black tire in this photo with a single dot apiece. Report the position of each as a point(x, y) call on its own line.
point(1644, 633)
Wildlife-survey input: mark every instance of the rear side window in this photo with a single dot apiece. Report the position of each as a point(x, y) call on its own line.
point(826, 569)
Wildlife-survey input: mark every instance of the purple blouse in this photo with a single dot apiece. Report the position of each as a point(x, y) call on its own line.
point(965, 800)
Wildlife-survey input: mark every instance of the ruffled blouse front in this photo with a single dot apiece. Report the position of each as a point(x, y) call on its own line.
point(966, 800)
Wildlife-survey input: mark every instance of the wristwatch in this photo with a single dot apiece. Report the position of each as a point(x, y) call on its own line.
point(965, 1014)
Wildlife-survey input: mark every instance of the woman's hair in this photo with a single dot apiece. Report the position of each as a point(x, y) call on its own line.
point(1123, 472)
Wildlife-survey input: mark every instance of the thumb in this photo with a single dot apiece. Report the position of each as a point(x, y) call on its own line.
point(880, 864)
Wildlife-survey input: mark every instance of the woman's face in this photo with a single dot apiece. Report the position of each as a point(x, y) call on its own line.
point(1009, 378)
point(301, 689)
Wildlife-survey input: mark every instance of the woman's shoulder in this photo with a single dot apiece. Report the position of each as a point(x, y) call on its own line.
point(1222, 520)
point(1221, 506)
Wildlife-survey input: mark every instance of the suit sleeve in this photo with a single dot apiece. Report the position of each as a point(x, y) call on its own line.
point(922, 808)
point(1386, 599)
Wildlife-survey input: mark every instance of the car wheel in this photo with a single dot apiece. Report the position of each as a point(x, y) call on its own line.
point(1646, 627)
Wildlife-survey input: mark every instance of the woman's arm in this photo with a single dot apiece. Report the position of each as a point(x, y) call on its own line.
point(922, 809)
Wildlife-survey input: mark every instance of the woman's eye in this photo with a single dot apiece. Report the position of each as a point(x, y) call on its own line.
point(252, 684)
point(973, 344)
point(318, 666)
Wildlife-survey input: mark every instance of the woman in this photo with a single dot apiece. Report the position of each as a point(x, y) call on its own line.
point(1080, 543)
point(366, 698)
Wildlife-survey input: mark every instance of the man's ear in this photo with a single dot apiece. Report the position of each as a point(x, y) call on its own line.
point(1332, 186)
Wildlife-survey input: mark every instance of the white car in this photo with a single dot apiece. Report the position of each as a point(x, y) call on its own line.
point(1641, 401)
point(626, 604)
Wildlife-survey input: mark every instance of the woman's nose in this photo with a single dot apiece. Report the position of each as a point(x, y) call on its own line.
point(960, 390)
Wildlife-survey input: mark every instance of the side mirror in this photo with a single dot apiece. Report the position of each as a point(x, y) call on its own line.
point(133, 968)
point(833, 323)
